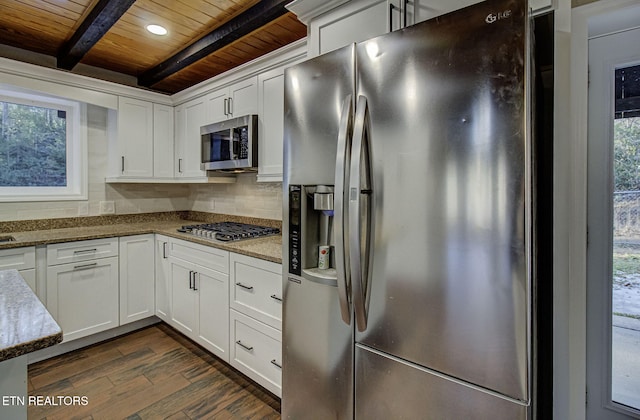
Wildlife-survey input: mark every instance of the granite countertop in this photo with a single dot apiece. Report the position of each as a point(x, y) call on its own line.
point(267, 248)
point(25, 324)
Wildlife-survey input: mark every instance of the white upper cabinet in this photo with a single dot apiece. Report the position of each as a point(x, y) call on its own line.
point(243, 98)
point(335, 23)
point(190, 116)
point(142, 148)
point(270, 124)
point(234, 101)
point(135, 137)
point(415, 11)
point(353, 22)
point(163, 141)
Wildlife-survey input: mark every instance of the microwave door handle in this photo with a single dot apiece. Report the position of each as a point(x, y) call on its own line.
point(340, 221)
point(360, 212)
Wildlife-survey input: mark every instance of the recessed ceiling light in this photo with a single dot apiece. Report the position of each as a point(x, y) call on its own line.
point(157, 29)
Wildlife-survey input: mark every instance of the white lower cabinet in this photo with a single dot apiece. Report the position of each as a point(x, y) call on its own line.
point(83, 296)
point(163, 278)
point(137, 280)
point(255, 320)
point(22, 259)
point(83, 286)
point(199, 297)
point(256, 289)
point(256, 351)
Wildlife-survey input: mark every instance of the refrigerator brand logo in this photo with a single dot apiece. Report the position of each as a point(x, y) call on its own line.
point(492, 17)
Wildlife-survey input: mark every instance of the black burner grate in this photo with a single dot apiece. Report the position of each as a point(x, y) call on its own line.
point(229, 231)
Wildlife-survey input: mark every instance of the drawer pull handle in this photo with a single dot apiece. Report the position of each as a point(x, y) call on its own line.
point(244, 286)
point(85, 266)
point(244, 346)
point(274, 363)
point(84, 251)
point(276, 297)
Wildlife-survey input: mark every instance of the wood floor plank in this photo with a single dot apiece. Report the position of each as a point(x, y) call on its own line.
point(127, 404)
point(74, 367)
point(154, 373)
point(92, 392)
point(111, 367)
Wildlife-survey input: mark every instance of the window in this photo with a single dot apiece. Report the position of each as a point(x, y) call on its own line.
point(42, 148)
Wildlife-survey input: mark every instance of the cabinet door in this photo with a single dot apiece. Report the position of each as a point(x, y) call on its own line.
point(243, 98)
point(163, 278)
point(271, 124)
point(184, 300)
point(213, 315)
point(192, 115)
point(217, 105)
point(355, 21)
point(135, 137)
point(137, 282)
point(421, 10)
point(162, 141)
point(83, 297)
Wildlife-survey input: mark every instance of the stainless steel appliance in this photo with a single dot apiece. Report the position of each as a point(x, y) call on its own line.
point(229, 231)
point(409, 155)
point(230, 145)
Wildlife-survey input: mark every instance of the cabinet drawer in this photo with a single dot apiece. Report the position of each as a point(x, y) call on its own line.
point(18, 258)
point(70, 252)
point(256, 289)
point(206, 256)
point(83, 297)
point(256, 351)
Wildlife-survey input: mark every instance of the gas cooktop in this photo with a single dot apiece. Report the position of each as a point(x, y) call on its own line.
point(229, 231)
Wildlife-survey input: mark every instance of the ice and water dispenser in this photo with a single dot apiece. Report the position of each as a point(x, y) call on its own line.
point(311, 239)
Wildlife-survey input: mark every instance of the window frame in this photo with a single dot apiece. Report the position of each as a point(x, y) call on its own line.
point(76, 150)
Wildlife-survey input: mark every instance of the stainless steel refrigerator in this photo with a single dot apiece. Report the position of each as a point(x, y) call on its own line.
point(407, 224)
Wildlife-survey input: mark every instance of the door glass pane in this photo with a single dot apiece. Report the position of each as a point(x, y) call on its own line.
point(625, 333)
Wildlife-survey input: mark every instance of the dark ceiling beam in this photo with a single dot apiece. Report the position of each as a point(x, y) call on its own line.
point(101, 18)
point(253, 18)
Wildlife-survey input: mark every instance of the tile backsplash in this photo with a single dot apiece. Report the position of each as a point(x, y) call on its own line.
point(244, 198)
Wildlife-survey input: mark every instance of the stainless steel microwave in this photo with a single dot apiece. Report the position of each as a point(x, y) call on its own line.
point(230, 145)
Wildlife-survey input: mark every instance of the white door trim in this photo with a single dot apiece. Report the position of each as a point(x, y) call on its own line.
point(570, 201)
point(570, 198)
point(607, 53)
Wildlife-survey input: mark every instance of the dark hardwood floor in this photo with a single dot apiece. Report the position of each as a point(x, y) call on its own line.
point(154, 373)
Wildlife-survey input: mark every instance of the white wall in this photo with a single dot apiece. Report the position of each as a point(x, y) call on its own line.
point(245, 198)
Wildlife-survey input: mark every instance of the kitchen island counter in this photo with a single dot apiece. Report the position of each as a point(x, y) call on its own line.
point(25, 324)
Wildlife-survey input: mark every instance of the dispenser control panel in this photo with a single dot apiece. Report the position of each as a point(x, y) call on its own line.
point(295, 217)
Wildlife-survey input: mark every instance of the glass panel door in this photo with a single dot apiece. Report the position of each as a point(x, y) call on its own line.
point(613, 253)
point(625, 303)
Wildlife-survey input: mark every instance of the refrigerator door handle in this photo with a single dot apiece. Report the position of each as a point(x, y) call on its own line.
point(340, 222)
point(360, 212)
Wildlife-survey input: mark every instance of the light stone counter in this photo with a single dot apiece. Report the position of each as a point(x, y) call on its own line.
point(25, 324)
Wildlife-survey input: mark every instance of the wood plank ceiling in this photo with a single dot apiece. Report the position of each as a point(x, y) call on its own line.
point(205, 37)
